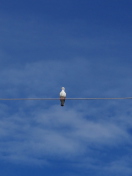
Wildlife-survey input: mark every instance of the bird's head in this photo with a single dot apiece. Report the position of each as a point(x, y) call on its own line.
point(63, 88)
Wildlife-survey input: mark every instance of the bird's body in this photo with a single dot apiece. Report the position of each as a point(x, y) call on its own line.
point(62, 96)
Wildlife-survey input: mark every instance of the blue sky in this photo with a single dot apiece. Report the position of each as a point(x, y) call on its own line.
point(84, 46)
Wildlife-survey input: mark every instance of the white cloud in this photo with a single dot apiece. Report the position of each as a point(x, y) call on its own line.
point(120, 166)
point(33, 131)
point(56, 132)
point(36, 61)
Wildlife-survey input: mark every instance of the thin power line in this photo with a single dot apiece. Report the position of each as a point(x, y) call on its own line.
point(116, 98)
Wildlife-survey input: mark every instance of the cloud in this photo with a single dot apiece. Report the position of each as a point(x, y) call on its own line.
point(83, 132)
point(37, 58)
point(33, 131)
point(120, 166)
point(87, 78)
point(37, 135)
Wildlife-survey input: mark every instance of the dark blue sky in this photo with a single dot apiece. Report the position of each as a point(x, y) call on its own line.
point(84, 46)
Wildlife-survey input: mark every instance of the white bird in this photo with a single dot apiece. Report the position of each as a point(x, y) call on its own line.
point(62, 96)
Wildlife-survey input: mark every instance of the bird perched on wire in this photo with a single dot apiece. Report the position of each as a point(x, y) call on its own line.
point(62, 96)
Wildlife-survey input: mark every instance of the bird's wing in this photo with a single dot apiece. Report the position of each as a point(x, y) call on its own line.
point(63, 94)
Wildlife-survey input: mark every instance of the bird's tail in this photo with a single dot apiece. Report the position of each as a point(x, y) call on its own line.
point(62, 100)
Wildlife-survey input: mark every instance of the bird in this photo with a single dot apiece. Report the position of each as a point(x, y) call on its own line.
point(62, 96)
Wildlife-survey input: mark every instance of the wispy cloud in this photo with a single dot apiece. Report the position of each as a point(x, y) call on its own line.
point(65, 133)
point(82, 132)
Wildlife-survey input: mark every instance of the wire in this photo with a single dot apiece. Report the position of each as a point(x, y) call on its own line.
point(120, 98)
